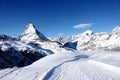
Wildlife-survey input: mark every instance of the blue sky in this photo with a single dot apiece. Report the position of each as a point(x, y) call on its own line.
point(52, 17)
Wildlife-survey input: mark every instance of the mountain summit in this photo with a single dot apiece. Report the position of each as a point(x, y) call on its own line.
point(116, 30)
point(32, 34)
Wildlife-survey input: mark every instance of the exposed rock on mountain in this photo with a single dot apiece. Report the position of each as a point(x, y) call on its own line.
point(96, 41)
point(32, 34)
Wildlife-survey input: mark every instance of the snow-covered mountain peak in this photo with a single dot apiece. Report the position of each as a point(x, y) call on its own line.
point(30, 28)
point(116, 30)
point(88, 32)
point(32, 34)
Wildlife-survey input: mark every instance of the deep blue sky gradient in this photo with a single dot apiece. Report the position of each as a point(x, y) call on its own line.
point(58, 16)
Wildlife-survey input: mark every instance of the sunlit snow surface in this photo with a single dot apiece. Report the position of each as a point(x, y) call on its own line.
point(89, 65)
point(32, 34)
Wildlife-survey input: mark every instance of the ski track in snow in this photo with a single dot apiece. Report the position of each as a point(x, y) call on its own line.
point(49, 73)
point(79, 71)
point(19, 71)
point(69, 66)
point(35, 76)
point(94, 71)
point(5, 73)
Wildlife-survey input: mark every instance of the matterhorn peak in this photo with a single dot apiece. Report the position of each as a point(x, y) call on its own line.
point(116, 30)
point(32, 34)
point(30, 28)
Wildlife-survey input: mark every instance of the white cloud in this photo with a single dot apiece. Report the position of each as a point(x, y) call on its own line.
point(81, 26)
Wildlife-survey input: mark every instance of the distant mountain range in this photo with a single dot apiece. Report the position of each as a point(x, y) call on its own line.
point(96, 41)
point(32, 45)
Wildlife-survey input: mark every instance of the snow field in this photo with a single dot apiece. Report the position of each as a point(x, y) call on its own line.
point(109, 67)
point(68, 66)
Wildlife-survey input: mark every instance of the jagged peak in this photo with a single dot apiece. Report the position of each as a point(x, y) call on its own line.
point(31, 33)
point(30, 28)
point(88, 32)
point(116, 30)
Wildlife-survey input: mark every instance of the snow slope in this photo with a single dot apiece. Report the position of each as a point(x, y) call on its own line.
point(53, 46)
point(18, 53)
point(68, 66)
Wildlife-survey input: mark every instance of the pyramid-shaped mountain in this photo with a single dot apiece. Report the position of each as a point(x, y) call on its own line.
point(32, 34)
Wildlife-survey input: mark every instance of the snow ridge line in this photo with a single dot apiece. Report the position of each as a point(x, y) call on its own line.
point(50, 71)
point(109, 67)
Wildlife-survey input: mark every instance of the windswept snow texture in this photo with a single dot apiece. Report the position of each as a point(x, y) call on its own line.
point(69, 66)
